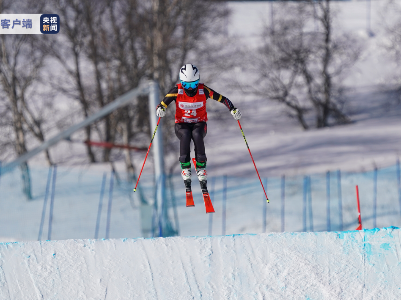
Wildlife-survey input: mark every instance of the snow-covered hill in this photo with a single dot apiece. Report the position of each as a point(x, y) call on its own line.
point(335, 265)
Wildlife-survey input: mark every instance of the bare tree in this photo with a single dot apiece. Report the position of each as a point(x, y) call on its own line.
point(116, 44)
point(302, 67)
point(20, 74)
point(335, 55)
point(104, 41)
point(392, 27)
point(68, 51)
point(179, 31)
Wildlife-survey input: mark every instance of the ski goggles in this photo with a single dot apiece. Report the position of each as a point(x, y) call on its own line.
point(192, 84)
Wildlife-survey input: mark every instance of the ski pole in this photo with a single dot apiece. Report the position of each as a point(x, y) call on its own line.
point(267, 199)
point(154, 133)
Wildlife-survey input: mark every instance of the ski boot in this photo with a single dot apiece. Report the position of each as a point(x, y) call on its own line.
point(202, 176)
point(186, 176)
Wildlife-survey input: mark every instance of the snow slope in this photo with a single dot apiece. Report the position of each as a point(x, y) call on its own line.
point(335, 265)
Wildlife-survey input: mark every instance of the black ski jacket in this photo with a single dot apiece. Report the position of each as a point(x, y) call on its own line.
point(209, 93)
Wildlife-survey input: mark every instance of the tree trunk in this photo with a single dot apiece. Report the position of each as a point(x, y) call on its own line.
point(157, 40)
point(128, 160)
point(325, 110)
point(20, 142)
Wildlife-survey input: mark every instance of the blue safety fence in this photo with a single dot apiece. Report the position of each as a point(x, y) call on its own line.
point(68, 203)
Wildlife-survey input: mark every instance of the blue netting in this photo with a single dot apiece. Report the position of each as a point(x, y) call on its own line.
point(318, 202)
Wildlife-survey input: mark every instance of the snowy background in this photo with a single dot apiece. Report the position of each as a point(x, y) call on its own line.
point(277, 143)
point(251, 261)
point(279, 146)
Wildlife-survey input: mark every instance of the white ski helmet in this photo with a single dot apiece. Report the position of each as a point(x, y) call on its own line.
point(189, 76)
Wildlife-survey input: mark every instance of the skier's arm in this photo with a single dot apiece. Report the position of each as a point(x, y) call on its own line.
point(220, 98)
point(170, 97)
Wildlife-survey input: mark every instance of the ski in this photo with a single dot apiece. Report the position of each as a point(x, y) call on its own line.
point(190, 199)
point(208, 203)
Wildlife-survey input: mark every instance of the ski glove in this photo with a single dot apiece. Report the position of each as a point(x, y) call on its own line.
point(236, 113)
point(160, 111)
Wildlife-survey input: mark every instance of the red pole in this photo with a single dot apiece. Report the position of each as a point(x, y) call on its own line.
point(267, 199)
point(359, 210)
point(157, 125)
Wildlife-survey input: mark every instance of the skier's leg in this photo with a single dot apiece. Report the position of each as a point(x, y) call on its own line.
point(198, 133)
point(183, 132)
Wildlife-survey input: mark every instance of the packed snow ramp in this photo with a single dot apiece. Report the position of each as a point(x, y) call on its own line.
point(323, 265)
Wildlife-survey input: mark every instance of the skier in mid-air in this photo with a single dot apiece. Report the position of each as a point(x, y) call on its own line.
point(190, 122)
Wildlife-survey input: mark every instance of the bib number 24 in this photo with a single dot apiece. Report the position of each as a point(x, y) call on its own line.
point(189, 113)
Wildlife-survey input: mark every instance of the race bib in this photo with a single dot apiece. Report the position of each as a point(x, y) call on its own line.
point(187, 105)
point(186, 120)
